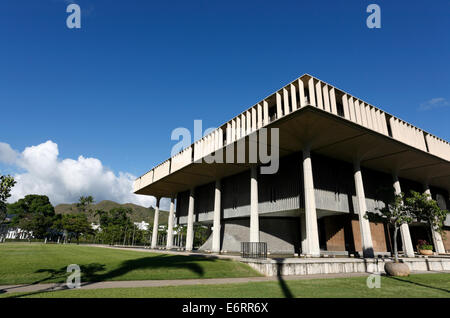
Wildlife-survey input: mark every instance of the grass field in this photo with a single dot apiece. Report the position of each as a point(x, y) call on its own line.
point(420, 285)
point(25, 263)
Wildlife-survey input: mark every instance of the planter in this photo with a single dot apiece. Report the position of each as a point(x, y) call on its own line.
point(396, 269)
point(426, 252)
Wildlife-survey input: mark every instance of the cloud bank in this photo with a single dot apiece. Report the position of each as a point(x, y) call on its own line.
point(65, 180)
point(433, 103)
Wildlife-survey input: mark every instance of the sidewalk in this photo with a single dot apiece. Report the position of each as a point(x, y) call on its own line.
point(26, 288)
point(177, 282)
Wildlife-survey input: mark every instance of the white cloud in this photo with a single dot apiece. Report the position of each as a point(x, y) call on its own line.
point(65, 180)
point(434, 103)
point(7, 154)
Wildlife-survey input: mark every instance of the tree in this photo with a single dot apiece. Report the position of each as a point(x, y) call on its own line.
point(394, 213)
point(201, 234)
point(84, 204)
point(425, 209)
point(34, 213)
point(6, 184)
point(114, 224)
point(76, 224)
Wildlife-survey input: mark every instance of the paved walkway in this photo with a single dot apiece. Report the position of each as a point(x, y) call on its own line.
point(160, 283)
point(30, 288)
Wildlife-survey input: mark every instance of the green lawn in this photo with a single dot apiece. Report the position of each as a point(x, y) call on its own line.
point(419, 285)
point(25, 263)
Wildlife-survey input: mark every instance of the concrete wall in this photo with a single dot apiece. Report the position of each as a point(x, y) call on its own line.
point(336, 232)
point(300, 266)
point(281, 234)
point(283, 191)
point(446, 239)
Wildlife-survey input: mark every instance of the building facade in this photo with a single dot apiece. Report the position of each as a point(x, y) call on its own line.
point(336, 152)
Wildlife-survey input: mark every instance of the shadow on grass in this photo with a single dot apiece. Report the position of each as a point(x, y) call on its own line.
point(152, 262)
point(417, 284)
point(284, 287)
point(91, 273)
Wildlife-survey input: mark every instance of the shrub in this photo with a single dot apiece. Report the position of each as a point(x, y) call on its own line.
point(423, 245)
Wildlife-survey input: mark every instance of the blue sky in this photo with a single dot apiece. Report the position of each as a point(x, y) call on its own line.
point(116, 88)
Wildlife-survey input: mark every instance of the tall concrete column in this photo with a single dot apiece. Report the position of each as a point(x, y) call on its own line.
point(254, 216)
point(311, 243)
point(216, 222)
point(190, 223)
point(155, 224)
point(437, 238)
point(408, 248)
point(364, 225)
point(169, 244)
point(303, 232)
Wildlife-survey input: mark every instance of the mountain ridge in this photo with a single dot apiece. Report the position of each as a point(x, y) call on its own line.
point(138, 214)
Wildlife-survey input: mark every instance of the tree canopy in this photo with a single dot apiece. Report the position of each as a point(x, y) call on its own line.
point(6, 184)
point(426, 210)
point(76, 224)
point(34, 213)
point(84, 204)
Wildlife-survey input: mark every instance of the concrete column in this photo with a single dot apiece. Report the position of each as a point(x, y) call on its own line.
point(351, 108)
point(364, 225)
point(265, 113)
point(285, 101)
point(279, 105)
point(301, 92)
point(249, 118)
point(333, 101)
point(326, 98)
point(259, 112)
point(312, 95)
point(408, 248)
point(190, 223)
point(254, 217)
point(293, 98)
point(319, 95)
point(303, 232)
point(437, 238)
point(311, 244)
point(155, 224)
point(254, 121)
point(216, 224)
point(345, 105)
point(170, 224)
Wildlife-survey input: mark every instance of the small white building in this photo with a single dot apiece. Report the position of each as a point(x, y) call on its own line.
point(17, 233)
point(144, 226)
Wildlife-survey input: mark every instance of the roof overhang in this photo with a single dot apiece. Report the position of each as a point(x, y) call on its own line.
point(325, 134)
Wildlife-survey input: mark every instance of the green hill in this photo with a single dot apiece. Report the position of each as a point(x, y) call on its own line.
point(139, 213)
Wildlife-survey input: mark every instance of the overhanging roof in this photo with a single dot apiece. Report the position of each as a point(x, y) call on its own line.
point(329, 135)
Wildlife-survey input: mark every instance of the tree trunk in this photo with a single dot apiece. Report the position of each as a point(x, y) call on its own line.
point(395, 244)
point(430, 236)
point(124, 237)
